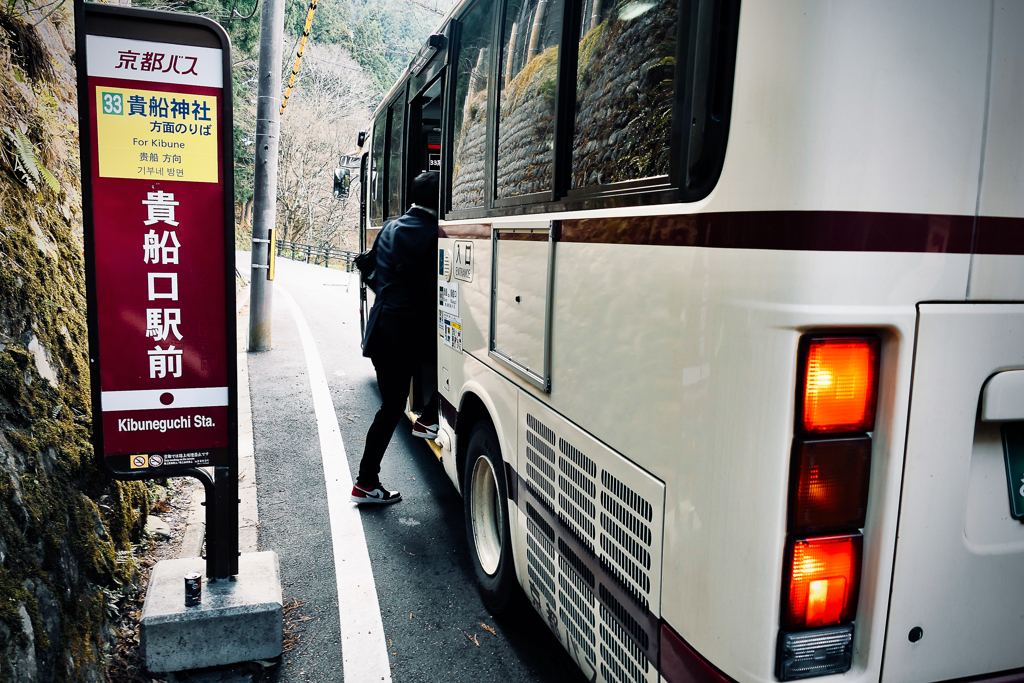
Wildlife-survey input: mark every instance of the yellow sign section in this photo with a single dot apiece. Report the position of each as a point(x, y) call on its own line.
point(155, 135)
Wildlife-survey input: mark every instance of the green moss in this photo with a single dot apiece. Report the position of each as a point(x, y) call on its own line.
point(53, 530)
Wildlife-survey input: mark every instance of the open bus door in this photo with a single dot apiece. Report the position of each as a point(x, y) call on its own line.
point(364, 182)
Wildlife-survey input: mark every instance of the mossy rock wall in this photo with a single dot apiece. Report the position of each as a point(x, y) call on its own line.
point(526, 128)
point(66, 532)
point(624, 96)
point(468, 174)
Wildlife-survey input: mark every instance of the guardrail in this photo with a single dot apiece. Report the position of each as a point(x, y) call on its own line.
point(317, 254)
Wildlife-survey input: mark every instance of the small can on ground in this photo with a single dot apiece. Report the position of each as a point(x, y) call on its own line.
point(193, 589)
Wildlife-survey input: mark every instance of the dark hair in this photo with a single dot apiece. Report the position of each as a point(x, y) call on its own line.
point(424, 189)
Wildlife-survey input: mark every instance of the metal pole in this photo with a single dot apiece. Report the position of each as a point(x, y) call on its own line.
point(268, 128)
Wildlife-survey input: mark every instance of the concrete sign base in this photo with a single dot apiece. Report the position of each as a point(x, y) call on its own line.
point(238, 621)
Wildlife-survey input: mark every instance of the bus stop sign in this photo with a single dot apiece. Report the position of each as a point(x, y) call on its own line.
point(155, 106)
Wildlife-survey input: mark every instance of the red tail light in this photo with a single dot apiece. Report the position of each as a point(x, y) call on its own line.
point(839, 384)
point(821, 581)
point(829, 484)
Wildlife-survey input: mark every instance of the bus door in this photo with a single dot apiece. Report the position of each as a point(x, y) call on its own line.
point(957, 602)
point(364, 182)
point(425, 129)
point(424, 154)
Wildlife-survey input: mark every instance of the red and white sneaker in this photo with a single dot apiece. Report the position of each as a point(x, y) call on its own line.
point(378, 495)
point(424, 430)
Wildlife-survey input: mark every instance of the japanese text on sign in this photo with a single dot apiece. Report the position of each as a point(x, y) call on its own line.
point(156, 135)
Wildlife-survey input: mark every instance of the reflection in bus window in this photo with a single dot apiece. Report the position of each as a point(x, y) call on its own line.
point(377, 170)
point(526, 124)
point(624, 91)
point(470, 124)
point(395, 157)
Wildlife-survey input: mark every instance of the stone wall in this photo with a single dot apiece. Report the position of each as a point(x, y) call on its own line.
point(526, 128)
point(624, 111)
point(468, 173)
point(624, 96)
point(66, 532)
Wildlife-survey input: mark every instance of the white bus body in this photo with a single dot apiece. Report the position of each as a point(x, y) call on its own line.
point(639, 360)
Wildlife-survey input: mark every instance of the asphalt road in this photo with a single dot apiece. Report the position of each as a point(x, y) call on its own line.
point(432, 614)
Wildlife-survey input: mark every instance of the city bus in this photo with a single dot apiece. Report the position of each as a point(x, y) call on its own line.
point(730, 322)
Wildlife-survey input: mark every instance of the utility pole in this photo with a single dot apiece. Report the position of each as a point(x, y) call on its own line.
point(268, 131)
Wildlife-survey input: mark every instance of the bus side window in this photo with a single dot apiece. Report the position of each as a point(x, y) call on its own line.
point(470, 107)
point(377, 170)
point(526, 119)
point(624, 91)
point(395, 156)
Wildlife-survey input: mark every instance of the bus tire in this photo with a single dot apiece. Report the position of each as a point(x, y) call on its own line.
point(487, 519)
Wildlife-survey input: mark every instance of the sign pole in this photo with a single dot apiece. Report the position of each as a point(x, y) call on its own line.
point(155, 114)
point(268, 130)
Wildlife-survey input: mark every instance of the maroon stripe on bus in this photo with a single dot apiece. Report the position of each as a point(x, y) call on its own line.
point(478, 231)
point(1000, 236)
point(784, 230)
point(794, 231)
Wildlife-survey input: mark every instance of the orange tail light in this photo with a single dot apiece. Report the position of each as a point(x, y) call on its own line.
point(839, 384)
point(822, 581)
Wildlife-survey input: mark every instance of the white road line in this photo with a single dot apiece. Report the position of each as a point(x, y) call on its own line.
point(363, 651)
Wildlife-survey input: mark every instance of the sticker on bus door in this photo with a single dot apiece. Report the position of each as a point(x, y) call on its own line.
point(448, 297)
point(453, 332)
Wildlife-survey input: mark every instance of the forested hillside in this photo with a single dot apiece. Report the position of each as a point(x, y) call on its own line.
point(356, 50)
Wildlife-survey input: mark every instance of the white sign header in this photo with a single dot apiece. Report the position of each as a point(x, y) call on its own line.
point(142, 60)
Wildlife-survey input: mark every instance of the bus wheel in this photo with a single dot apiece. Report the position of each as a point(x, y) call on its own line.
point(487, 522)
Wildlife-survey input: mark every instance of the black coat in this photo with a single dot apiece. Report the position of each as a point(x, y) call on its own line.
point(406, 276)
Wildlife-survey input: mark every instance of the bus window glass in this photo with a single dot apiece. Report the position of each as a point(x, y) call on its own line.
point(395, 155)
point(377, 170)
point(526, 121)
point(470, 124)
point(624, 91)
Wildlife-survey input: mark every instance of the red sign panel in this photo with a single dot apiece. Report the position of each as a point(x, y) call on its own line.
point(162, 332)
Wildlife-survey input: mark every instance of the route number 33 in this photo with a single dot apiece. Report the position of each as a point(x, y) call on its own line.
point(113, 103)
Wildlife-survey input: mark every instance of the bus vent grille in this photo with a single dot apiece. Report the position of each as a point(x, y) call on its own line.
point(575, 562)
point(626, 541)
point(540, 481)
point(541, 498)
point(541, 465)
point(541, 428)
point(629, 566)
point(585, 504)
point(541, 523)
point(577, 581)
point(627, 495)
point(540, 537)
point(582, 461)
point(583, 481)
point(547, 577)
point(612, 671)
point(571, 529)
point(627, 519)
point(631, 590)
point(545, 450)
point(534, 545)
point(541, 585)
point(577, 635)
point(576, 515)
point(627, 620)
point(578, 601)
point(577, 618)
point(620, 643)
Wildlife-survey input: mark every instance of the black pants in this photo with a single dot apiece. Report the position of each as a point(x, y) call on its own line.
point(395, 368)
